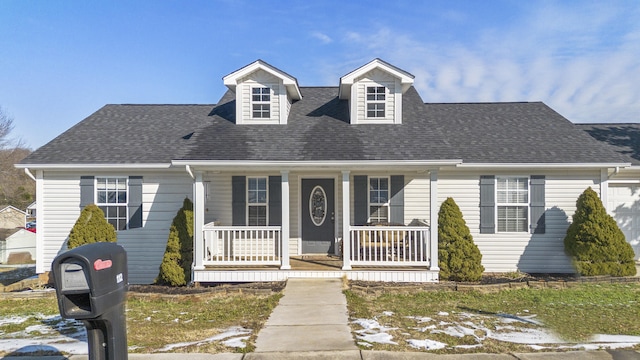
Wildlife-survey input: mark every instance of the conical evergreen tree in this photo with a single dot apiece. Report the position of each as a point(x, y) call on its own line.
point(175, 269)
point(91, 227)
point(595, 242)
point(458, 256)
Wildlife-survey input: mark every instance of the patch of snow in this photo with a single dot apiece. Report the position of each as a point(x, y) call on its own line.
point(420, 319)
point(13, 320)
point(366, 344)
point(443, 313)
point(230, 332)
point(426, 328)
point(525, 319)
point(468, 346)
point(526, 336)
point(426, 344)
point(380, 338)
point(238, 342)
point(370, 324)
point(456, 331)
point(387, 313)
point(54, 344)
point(601, 338)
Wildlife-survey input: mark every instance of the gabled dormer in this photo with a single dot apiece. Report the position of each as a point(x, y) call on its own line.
point(264, 94)
point(374, 92)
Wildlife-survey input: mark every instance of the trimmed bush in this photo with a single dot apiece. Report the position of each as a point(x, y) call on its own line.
point(175, 269)
point(91, 227)
point(595, 242)
point(458, 256)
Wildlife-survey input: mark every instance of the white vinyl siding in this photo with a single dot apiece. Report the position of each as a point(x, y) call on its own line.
point(535, 253)
point(163, 194)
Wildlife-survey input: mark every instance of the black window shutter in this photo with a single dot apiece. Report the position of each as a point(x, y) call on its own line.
point(238, 200)
point(275, 200)
point(360, 194)
point(537, 194)
point(135, 202)
point(396, 202)
point(87, 192)
point(487, 204)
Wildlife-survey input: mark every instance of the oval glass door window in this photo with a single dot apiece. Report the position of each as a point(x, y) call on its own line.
point(318, 205)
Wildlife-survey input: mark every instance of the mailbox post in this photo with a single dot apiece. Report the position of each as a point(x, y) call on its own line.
point(91, 284)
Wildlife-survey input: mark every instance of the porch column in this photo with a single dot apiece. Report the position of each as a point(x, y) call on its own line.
point(198, 221)
point(284, 234)
point(346, 222)
point(433, 219)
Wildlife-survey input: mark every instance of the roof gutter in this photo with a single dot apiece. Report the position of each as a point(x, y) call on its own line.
point(92, 166)
point(543, 165)
point(346, 164)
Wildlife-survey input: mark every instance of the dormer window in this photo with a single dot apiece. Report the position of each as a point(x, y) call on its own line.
point(375, 101)
point(261, 102)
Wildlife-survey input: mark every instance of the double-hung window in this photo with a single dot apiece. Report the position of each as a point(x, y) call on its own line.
point(257, 201)
point(112, 198)
point(376, 96)
point(261, 103)
point(512, 202)
point(378, 199)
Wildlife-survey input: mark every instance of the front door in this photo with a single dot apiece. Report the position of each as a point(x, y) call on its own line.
point(318, 217)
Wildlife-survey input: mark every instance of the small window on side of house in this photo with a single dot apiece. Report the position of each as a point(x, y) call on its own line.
point(112, 198)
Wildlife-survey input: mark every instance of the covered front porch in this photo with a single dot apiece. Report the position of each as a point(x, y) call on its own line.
point(356, 248)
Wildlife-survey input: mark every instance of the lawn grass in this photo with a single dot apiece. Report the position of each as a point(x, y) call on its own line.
point(154, 322)
point(574, 314)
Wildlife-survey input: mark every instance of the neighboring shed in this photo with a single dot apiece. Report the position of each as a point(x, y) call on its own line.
point(17, 246)
point(11, 217)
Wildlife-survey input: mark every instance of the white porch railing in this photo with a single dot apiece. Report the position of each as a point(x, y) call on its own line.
point(390, 245)
point(242, 245)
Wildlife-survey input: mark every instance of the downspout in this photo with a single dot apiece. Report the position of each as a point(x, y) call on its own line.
point(29, 174)
point(188, 168)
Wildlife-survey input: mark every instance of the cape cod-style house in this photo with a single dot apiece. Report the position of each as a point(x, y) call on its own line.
point(280, 173)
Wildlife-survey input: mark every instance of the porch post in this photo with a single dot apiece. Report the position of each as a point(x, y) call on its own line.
point(284, 234)
point(198, 221)
point(346, 222)
point(433, 219)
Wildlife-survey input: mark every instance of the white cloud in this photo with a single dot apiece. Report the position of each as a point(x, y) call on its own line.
point(324, 38)
point(582, 61)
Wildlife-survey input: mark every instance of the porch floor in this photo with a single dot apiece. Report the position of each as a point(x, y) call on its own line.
point(313, 266)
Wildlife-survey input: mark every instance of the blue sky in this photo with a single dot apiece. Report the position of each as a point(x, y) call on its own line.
point(62, 60)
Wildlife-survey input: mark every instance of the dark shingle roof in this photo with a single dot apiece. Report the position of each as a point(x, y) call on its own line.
point(622, 138)
point(318, 129)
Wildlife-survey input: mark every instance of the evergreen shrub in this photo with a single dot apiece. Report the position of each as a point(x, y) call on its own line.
point(458, 256)
point(175, 269)
point(91, 227)
point(595, 242)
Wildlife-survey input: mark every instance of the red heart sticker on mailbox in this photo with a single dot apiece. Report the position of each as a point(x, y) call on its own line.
point(102, 264)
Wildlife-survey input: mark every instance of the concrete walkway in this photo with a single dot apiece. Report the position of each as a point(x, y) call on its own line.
point(312, 316)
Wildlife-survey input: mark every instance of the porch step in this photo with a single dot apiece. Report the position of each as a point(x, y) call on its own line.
point(312, 316)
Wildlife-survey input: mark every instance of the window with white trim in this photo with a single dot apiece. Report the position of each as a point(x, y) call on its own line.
point(261, 103)
point(512, 203)
point(112, 197)
point(378, 199)
point(376, 96)
point(257, 201)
